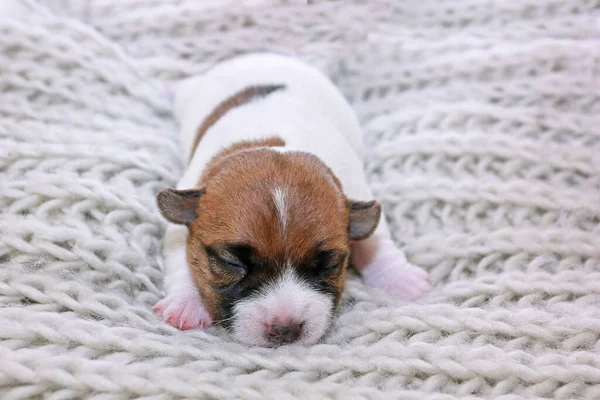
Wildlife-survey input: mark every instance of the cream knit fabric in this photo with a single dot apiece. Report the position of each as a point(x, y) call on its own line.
point(482, 124)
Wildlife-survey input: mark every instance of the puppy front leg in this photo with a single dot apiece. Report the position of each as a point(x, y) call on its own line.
point(384, 266)
point(182, 306)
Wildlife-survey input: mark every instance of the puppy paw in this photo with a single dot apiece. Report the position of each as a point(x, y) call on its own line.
point(397, 277)
point(183, 311)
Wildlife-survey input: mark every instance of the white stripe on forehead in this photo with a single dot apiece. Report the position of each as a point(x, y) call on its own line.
point(279, 195)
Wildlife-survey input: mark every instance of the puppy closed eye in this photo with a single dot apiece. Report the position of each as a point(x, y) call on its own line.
point(234, 267)
point(328, 262)
point(226, 265)
point(331, 268)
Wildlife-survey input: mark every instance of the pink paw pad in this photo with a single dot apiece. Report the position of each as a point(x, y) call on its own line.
point(183, 312)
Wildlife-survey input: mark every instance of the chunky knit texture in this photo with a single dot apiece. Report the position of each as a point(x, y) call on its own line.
point(482, 124)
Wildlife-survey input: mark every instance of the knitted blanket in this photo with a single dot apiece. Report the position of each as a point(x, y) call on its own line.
point(482, 125)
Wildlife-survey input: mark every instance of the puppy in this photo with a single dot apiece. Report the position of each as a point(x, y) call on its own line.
point(273, 206)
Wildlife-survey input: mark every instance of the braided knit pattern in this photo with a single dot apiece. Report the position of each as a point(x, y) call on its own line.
point(482, 126)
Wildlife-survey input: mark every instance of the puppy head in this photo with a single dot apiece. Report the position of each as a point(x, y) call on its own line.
point(269, 242)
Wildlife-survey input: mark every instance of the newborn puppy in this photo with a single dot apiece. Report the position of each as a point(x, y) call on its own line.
point(273, 206)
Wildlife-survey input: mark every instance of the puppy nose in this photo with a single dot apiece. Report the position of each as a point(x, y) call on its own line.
point(284, 334)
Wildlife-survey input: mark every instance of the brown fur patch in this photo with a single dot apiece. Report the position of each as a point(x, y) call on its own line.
point(221, 156)
point(240, 98)
point(238, 207)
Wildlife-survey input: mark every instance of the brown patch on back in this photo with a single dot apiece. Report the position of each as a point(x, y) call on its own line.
point(238, 207)
point(240, 98)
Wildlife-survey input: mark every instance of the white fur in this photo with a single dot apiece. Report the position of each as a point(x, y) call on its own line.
point(287, 300)
point(310, 115)
point(279, 194)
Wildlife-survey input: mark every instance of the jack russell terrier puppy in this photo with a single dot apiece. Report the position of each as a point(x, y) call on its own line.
point(273, 206)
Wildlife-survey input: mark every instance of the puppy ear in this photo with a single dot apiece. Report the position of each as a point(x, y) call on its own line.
point(364, 218)
point(179, 206)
